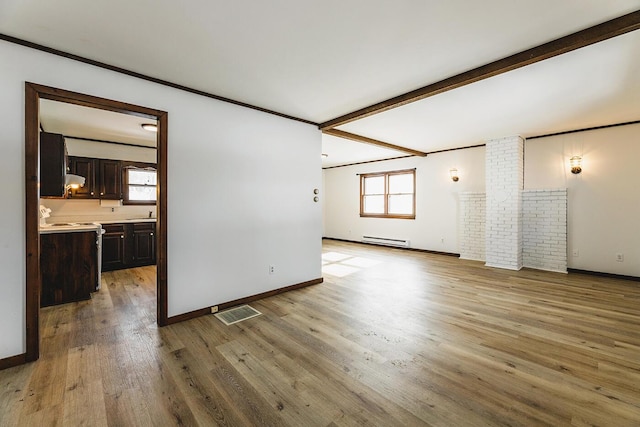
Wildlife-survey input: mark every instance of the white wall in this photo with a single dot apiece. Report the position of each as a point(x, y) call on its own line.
point(603, 207)
point(240, 189)
point(436, 199)
point(603, 212)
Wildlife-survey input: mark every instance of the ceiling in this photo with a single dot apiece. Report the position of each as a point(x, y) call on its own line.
point(320, 60)
point(76, 121)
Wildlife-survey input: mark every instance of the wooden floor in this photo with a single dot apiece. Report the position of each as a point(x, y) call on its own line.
point(391, 338)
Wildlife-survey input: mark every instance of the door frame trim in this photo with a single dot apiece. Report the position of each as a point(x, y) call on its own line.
point(33, 93)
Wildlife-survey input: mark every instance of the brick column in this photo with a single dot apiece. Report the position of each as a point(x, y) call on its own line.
point(504, 182)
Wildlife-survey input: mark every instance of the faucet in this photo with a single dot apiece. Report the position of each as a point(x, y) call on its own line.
point(150, 213)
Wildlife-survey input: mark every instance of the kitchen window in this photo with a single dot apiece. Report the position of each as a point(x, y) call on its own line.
point(140, 184)
point(388, 194)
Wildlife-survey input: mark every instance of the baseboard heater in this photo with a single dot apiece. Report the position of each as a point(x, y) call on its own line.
point(399, 243)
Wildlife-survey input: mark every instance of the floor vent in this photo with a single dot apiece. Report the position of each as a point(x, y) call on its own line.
point(237, 314)
point(400, 243)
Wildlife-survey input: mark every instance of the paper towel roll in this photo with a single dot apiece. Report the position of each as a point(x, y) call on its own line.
point(110, 203)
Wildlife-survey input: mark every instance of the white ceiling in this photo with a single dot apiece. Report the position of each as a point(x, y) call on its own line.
point(320, 60)
point(84, 122)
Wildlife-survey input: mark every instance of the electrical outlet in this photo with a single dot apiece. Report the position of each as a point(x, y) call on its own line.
point(272, 269)
point(576, 253)
point(620, 257)
point(214, 309)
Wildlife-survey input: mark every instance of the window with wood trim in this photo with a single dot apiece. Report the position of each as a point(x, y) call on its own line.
point(140, 184)
point(388, 194)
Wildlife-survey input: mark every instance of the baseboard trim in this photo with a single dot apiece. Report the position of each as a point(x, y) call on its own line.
point(10, 362)
point(222, 306)
point(601, 274)
point(393, 247)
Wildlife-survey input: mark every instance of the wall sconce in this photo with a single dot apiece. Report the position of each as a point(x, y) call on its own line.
point(576, 164)
point(454, 174)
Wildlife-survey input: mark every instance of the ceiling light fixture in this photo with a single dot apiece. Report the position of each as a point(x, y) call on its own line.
point(150, 127)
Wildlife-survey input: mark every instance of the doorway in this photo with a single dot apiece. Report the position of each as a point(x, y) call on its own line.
point(33, 94)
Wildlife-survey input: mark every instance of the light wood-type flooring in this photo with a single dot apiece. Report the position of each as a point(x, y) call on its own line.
point(391, 338)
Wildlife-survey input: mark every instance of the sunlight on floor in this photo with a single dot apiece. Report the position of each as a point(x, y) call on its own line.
point(339, 270)
point(334, 256)
point(361, 262)
point(340, 265)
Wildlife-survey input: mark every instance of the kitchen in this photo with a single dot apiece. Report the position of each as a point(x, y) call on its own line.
point(97, 197)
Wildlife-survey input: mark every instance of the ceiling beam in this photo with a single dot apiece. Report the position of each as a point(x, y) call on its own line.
point(359, 138)
point(586, 37)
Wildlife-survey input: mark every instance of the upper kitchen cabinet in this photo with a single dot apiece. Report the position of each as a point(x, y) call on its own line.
point(53, 165)
point(86, 167)
point(110, 181)
point(103, 178)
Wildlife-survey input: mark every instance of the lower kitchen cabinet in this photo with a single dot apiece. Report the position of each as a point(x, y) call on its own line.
point(69, 267)
point(113, 247)
point(144, 243)
point(126, 245)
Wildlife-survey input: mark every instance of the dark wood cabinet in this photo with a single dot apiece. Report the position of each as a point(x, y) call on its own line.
point(113, 247)
point(110, 179)
point(126, 245)
point(68, 267)
point(144, 243)
point(53, 165)
point(87, 168)
point(103, 178)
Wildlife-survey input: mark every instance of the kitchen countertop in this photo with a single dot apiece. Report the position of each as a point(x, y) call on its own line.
point(119, 221)
point(70, 227)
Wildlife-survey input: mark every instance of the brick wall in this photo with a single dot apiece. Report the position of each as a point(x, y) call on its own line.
point(504, 182)
point(508, 227)
point(472, 226)
point(544, 244)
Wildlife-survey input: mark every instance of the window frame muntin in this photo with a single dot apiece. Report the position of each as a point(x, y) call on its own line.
point(126, 166)
point(386, 194)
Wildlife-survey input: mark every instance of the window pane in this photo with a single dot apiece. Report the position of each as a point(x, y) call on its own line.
point(401, 183)
point(374, 185)
point(401, 205)
point(142, 177)
point(142, 193)
point(373, 204)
